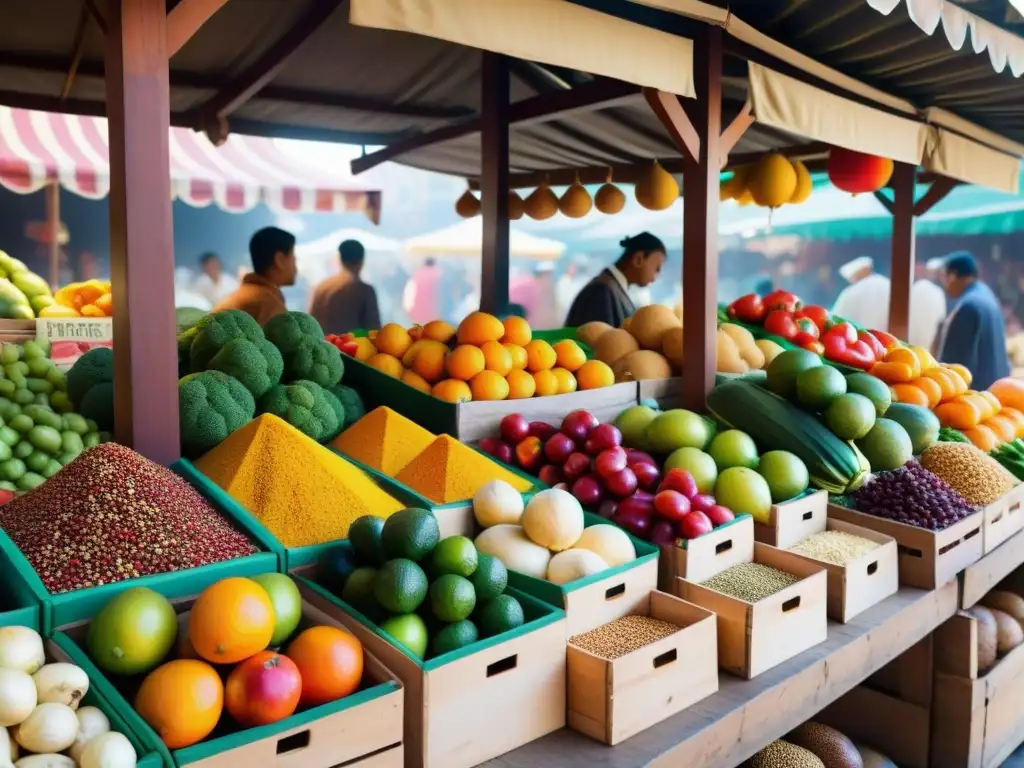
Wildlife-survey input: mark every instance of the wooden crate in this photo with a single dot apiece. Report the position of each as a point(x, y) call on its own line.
point(754, 637)
point(611, 700)
point(1004, 518)
point(908, 677)
point(794, 520)
point(712, 553)
point(861, 583)
point(668, 393)
point(898, 729)
point(928, 559)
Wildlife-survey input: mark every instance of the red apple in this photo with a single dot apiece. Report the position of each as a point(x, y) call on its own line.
point(588, 491)
point(644, 496)
point(530, 454)
point(719, 515)
point(514, 428)
point(702, 502)
point(694, 525)
point(672, 505)
point(550, 475)
point(663, 534)
point(610, 462)
point(621, 483)
point(635, 516)
point(558, 448)
point(578, 424)
point(601, 438)
point(608, 508)
point(263, 689)
point(679, 480)
point(647, 475)
point(5, 495)
point(542, 429)
point(633, 456)
point(499, 449)
point(577, 465)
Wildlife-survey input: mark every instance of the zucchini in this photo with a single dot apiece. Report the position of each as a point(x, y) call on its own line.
point(834, 465)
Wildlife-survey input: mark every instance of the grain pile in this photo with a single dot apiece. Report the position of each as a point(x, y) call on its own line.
point(449, 471)
point(979, 478)
point(750, 581)
point(622, 636)
point(834, 547)
point(112, 515)
point(383, 440)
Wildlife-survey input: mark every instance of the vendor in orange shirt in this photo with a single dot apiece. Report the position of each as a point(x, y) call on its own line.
point(272, 251)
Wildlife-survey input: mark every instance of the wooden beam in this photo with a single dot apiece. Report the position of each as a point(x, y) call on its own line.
point(937, 192)
point(101, 20)
point(732, 135)
point(186, 18)
point(141, 234)
point(813, 149)
point(494, 105)
point(76, 56)
point(902, 266)
point(677, 122)
point(885, 201)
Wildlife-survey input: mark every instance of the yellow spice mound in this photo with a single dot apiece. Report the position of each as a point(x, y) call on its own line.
point(383, 440)
point(300, 491)
point(449, 471)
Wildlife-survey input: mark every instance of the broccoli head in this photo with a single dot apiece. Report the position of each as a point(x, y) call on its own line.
point(288, 329)
point(332, 401)
point(304, 405)
point(98, 405)
point(94, 367)
point(351, 402)
point(312, 360)
point(216, 330)
point(185, 339)
point(258, 365)
point(212, 405)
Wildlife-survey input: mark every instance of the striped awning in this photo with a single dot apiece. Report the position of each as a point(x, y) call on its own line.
point(37, 148)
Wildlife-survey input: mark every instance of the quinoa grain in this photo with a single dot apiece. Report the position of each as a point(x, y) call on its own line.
point(977, 477)
point(834, 547)
point(750, 581)
point(622, 636)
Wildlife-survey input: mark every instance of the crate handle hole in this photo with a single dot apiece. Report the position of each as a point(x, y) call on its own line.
point(972, 534)
point(873, 568)
point(666, 658)
point(293, 743)
point(1013, 508)
point(503, 665)
point(791, 604)
point(808, 515)
point(997, 518)
point(617, 591)
point(910, 551)
point(725, 546)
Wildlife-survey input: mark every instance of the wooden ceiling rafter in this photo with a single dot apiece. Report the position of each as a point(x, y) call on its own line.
point(79, 49)
point(185, 18)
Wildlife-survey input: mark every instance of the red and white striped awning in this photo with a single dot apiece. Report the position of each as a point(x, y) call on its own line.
point(39, 147)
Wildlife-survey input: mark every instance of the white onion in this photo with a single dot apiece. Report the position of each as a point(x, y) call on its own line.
point(91, 723)
point(21, 648)
point(109, 750)
point(8, 749)
point(45, 761)
point(17, 696)
point(61, 684)
point(50, 728)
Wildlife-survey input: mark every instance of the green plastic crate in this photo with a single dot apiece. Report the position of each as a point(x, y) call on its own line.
point(17, 600)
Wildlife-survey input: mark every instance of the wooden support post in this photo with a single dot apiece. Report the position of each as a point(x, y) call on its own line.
point(141, 235)
point(53, 231)
point(494, 183)
point(902, 264)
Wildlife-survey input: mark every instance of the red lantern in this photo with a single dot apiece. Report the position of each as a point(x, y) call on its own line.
point(855, 172)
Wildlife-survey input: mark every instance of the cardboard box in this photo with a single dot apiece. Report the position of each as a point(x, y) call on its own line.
point(700, 559)
point(898, 729)
point(793, 520)
point(1004, 518)
point(611, 700)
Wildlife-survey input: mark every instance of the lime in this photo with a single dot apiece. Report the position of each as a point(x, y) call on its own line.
point(401, 586)
point(410, 631)
point(9, 437)
point(782, 372)
point(454, 636)
point(817, 387)
point(133, 632)
point(364, 535)
point(499, 615)
point(29, 480)
point(456, 555)
point(744, 491)
point(287, 602)
point(698, 464)
point(874, 389)
point(411, 534)
point(733, 448)
point(21, 423)
point(850, 416)
point(52, 468)
point(358, 591)
point(452, 598)
point(490, 577)
point(45, 438)
point(12, 469)
point(37, 461)
point(785, 473)
point(75, 423)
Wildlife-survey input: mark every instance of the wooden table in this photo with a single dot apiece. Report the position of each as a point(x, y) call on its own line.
point(727, 728)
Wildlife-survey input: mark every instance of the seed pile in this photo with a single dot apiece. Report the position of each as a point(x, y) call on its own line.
point(449, 471)
point(977, 477)
point(384, 440)
point(834, 547)
point(750, 581)
point(914, 496)
point(622, 636)
point(303, 493)
point(112, 515)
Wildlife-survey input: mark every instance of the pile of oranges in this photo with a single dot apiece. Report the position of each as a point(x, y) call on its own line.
point(483, 359)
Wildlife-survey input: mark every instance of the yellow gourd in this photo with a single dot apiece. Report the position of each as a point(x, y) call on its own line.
point(772, 181)
point(541, 204)
point(575, 202)
point(804, 185)
point(515, 206)
point(609, 198)
point(467, 206)
point(746, 198)
point(657, 189)
point(734, 187)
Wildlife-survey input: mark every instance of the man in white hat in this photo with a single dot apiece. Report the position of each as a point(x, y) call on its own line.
point(865, 300)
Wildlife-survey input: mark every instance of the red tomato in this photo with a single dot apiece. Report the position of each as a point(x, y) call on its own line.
point(263, 689)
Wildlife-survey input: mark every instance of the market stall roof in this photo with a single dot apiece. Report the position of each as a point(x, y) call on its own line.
point(466, 239)
point(329, 243)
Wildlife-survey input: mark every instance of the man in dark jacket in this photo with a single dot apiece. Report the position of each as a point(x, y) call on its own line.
point(345, 303)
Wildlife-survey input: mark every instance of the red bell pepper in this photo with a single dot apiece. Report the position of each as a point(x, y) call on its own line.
point(818, 314)
point(806, 331)
point(748, 309)
point(781, 323)
point(887, 339)
point(843, 346)
point(345, 343)
point(781, 300)
point(844, 331)
point(872, 341)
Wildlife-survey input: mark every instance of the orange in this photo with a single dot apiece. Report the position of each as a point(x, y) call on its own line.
point(1010, 392)
point(478, 327)
point(594, 374)
point(1014, 416)
point(983, 438)
point(364, 349)
point(517, 331)
point(465, 362)
point(908, 393)
point(416, 381)
point(931, 389)
point(1005, 429)
point(520, 385)
point(540, 356)
point(906, 356)
point(452, 391)
point(946, 380)
point(496, 357)
point(182, 700)
point(330, 661)
point(438, 330)
point(569, 355)
point(427, 359)
point(393, 339)
point(959, 415)
point(105, 304)
point(231, 620)
point(489, 385)
point(961, 371)
point(546, 383)
point(566, 381)
point(386, 363)
point(518, 355)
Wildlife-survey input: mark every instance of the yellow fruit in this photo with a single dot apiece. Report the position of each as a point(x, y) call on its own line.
point(388, 364)
point(615, 345)
point(478, 327)
point(546, 383)
point(575, 202)
point(467, 206)
point(438, 330)
point(465, 361)
point(772, 181)
point(590, 332)
point(594, 374)
point(804, 185)
point(488, 385)
point(452, 391)
point(566, 381)
point(429, 360)
point(518, 355)
point(541, 203)
point(515, 206)
point(364, 349)
point(672, 347)
point(569, 355)
point(609, 199)
point(540, 356)
point(520, 385)
point(650, 324)
point(58, 310)
point(393, 339)
point(642, 365)
point(496, 358)
point(517, 331)
point(416, 381)
point(657, 189)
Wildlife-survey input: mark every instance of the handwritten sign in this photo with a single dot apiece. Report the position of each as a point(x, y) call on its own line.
point(70, 338)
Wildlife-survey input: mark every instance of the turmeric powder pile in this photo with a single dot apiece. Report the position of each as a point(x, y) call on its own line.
point(300, 491)
point(449, 471)
point(383, 440)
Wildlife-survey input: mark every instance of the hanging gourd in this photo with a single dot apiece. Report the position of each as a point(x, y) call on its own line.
point(467, 206)
point(575, 202)
point(515, 206)
point(657, 189)
point(541, 204)
point(856, 172)
point(609, 198)
point(772, 180)
point(734, 187)
point(746, 198)
point(804, 185)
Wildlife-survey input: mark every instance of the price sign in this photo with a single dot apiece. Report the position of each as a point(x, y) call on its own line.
point(70, 338)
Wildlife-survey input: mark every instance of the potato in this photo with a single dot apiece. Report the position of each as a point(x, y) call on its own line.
point(988, 637)
point(1008, 632)
point(1007, 602)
